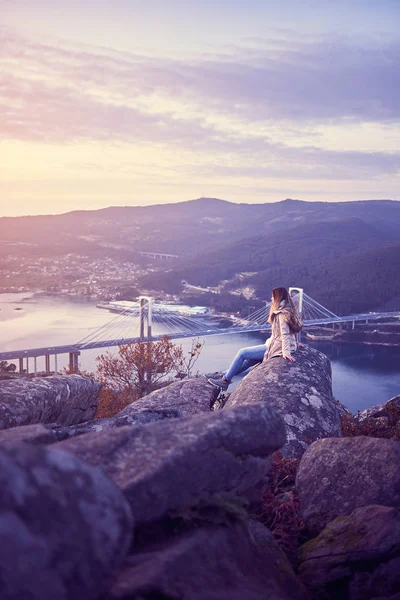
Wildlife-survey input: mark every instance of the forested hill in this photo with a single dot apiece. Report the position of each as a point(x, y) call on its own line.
point(185, 228)
point(334, 250)
point(303, 247)
point(351, 265)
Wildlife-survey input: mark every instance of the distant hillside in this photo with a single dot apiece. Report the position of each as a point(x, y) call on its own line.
point(344, 253)
point(354, 283)
point(325, 258)
point(185, 228)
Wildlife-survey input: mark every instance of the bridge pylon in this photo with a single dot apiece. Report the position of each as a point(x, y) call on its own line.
point(145, 317)
point(297, 294)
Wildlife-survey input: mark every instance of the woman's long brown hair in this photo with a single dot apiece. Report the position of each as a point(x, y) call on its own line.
point(279, 294)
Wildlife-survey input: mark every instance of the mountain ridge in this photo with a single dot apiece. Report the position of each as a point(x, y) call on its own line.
point(204, 200)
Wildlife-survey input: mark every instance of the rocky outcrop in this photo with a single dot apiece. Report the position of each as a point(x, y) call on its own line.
point(241, 562)
point(300, 392)
point(379, 410)
point(357, 556)
point(38, 433)
point(181, 399)
point(64, 400)
point(336, 476)
point(133, 417)
point(64, 526)
point(165, 465)
point(189, 396)
point(187, 477)
point(49, 433)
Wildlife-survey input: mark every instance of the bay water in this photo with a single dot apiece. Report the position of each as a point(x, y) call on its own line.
point(362, 375)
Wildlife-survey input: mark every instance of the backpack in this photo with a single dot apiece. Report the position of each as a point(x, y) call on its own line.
point(293, 319)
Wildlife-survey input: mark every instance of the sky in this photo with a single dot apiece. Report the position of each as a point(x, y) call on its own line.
point(128, 102)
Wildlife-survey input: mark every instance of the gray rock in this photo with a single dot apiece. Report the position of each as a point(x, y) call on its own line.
point(64, 526)
point(336, 476)
point(379, 410)
point(134, 417)
point(180, 399)
point(358, 554)
point(300, 392)
point(62, 399)
point(50, 433)
point(241, 562)
point(165, 465)
point(189, 396)
point(342, 409)
point(38, 433)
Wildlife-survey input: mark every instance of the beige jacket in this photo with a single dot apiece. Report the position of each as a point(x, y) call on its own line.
point(283, 340)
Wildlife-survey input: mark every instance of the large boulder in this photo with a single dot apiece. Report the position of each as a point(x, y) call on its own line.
point(241, 562)
point(49, 433)
point(38, 433)
point(153, 407)
point(357, 555)
point(64, 526)
point(184, 398)
point(336, 476)
point(301, 392)
point(134, 417)
point(166, 465)
point(180, 399)
point(189, 396)
point(62, 399)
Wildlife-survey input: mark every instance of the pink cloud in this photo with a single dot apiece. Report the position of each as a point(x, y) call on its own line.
point(56, 94)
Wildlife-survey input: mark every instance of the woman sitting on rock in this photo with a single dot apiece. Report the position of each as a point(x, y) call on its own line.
point(285, 323)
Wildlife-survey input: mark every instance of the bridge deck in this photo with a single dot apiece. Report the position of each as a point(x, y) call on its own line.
point(65, 349)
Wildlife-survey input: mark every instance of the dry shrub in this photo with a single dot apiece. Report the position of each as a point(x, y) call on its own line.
point(112, 402)
point(385, 426)
point(280, 505)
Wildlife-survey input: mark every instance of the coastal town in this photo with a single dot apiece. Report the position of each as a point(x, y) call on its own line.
point(109, 282)
point(99, 278)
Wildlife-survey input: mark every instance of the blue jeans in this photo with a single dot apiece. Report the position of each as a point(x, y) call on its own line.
point(244, 359)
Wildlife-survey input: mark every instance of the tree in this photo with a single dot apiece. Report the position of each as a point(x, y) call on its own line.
point(185, 364)
point(140, 368)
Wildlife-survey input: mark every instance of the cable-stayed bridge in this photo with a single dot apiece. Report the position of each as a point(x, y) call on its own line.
point(145, 320)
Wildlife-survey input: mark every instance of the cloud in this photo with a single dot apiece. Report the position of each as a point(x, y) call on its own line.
point(218, 104)
point(304, 78)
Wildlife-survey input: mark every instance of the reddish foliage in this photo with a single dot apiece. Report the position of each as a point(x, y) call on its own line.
point(280, 505)
point(139, 369)
point(112, 402)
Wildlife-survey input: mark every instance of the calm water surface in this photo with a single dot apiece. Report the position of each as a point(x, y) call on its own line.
point(362, 375)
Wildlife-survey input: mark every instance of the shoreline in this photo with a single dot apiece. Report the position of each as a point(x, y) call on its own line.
point(355, 342)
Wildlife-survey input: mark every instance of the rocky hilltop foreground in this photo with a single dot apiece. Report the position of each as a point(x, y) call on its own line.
point(160, 501)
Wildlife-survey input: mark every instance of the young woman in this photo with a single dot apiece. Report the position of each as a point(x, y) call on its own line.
point(285, 324)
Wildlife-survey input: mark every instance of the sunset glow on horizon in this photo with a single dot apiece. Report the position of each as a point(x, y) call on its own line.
point(124, 103)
